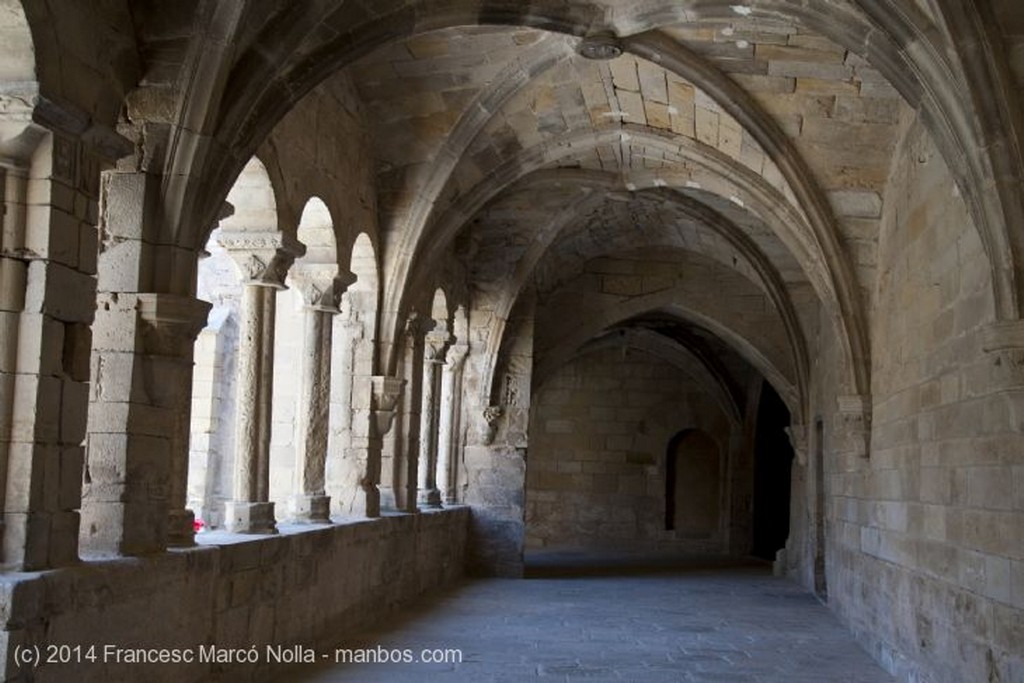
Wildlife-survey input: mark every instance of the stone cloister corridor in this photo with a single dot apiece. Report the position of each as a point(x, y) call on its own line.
point(607, 617)
point(319, 315)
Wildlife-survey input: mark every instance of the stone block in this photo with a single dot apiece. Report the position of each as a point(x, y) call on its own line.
point(767, 85)
point(62, 549)
point(125, 215)
point(822, 71)
point(115, 328)
point(69, 496)
point(52, 234)
point(36, 411)
point(624, 74)
point(88, 249)
point(706, 126)
point(24, 465)
point(75, 355)
point(13, 276)
point(74, 407)
point(60, 292)
point(856, 204)
point(808, 84)
point(653, 85)
point(989, 487)
point(116, 379)
point(658, 115)
point(249, 518)
point(40, 344)
point(122, 265)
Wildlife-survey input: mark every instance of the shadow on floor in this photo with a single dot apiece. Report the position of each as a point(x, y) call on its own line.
point(573, 564)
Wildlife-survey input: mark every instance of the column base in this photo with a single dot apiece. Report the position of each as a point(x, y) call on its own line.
point(388, 501)
point(241, 517)
point(372, 494)
point(181, 530)
point(311, 509)
point(430, 498)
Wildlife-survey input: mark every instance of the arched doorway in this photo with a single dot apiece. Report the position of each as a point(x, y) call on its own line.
point(773, 457)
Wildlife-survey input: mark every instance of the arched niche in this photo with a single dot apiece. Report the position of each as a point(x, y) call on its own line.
point(693, 484)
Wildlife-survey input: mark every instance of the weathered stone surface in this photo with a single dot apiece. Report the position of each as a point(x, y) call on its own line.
point(238, 592)
point(794, 195)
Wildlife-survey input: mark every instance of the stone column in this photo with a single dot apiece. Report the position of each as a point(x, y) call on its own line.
point(340, 472)
point(384, 393)
point(448, 424)
point(170, 324)
point(398, 461)
point(320, 292)
point(433, 356)
point(264, 262)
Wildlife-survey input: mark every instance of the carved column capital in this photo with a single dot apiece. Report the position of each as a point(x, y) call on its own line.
point(170, 322)
point(456, 356)
point(263, 258)
point(435, 344)
point(416, 327)
point(491, 416)
point(384, 394)
point(64, 118)
point(316, 283)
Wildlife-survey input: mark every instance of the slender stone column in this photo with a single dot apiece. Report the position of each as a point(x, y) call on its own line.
point(384, 393)
point(448, 427)
point(341, 477)
point(399, 461)
point(433, 356)
point(169, 325)
point(320, 293)
point(264, 263)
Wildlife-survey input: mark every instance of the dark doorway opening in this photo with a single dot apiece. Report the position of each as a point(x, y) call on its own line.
point(773, 458)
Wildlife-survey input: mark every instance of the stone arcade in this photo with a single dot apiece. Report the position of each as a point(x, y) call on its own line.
point(378, 293)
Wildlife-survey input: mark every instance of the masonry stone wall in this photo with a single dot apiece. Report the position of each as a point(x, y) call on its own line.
point(926, 536)
point(311, 588)
point(600, 432)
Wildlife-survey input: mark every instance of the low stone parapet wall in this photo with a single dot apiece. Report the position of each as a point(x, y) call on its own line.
point(234, 608)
